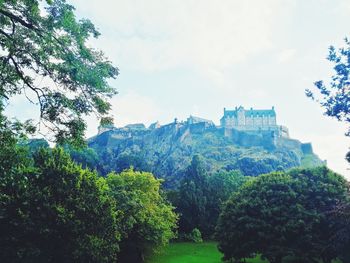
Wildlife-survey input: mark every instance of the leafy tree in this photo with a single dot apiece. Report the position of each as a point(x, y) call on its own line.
point(193, 198)
point(54, 211)
point(341, 239)
point(282, 214)
point(147, 219)
point(200, 196)
point(221, 186)
point(335, 97)
point(44, 52)
point(125, 161)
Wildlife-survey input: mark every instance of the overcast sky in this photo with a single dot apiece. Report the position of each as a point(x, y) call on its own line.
point(182, 57)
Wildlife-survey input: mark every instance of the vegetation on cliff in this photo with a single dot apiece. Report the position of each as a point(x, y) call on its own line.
point(168, 151)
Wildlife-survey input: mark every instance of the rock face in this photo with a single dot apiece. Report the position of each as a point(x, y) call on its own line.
point(167, 150)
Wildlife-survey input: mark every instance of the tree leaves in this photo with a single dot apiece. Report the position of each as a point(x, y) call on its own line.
point(51, 45)
point(282, 214)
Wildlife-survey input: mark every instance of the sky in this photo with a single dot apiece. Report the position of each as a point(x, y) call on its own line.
point(195, 57)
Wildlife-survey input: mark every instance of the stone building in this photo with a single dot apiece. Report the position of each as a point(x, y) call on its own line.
point(252, 121)
point(194, 120)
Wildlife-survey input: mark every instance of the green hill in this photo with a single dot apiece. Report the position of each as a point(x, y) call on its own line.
point(167, 150)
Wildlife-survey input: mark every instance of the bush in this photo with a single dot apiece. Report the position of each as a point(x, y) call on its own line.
point(195, 236)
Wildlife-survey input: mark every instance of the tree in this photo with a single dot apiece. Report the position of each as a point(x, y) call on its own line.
point(200, 196)
point(193, 198)
point(282, 214)
point(44, 52)
point(341, 239)
point(54, 211)
point(335, 97)
point(221, 186)
point(147, 219)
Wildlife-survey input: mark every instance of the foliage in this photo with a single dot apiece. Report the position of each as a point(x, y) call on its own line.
point(195, 236)
point(335, 97)
point(87, 157)
point(147, 220)
point(200, 196)
point(54, 211)
point(44, 52)
point(193, 198)
point(341, 239)
point(221, 186)
point(282, 214)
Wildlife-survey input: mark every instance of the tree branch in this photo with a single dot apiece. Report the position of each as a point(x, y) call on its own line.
point(36, 90)
point(18, 19)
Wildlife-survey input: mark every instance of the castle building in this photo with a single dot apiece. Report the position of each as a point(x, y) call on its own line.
point(195, 120)
point(252, 120)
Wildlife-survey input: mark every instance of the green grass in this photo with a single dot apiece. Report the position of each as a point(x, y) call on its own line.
point(191, 253)
point(183, 252)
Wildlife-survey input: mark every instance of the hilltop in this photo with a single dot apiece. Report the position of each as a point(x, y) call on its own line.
point(247, 140)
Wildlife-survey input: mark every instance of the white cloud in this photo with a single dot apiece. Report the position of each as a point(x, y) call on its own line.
point(161, 34)
point(286, 55)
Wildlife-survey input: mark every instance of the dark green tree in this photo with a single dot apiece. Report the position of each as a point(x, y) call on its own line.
point(282, 214)
point(200, 196)
point(148, 221)
point(221, 186)
point(54, 211)
point(193, 198)
point(341, 238)
point(44, 53)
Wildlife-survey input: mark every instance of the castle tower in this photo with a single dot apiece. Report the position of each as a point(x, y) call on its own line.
point(252, 120)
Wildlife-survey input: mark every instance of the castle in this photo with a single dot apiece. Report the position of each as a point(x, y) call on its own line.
point(243, 127)
point(252, 121)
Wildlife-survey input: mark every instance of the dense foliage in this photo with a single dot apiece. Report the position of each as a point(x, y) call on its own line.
point(45, 56)
point(283, 214)
point(147, 220)
point(54, 211)
point(200, 197)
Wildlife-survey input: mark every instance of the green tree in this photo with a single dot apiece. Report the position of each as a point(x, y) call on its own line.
point(54, 211)
point(193, 198)
point(341, 239)
point(147, 219)
point(334, 98)
point(43, 39)
point(200, 196)
point(282, 214)
point(221, 186)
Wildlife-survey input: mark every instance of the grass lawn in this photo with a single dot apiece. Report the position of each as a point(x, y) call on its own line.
point(191, 253)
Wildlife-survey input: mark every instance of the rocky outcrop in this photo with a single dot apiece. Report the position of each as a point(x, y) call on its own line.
point(167, 150)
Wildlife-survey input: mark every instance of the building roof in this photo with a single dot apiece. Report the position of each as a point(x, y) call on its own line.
point(250, 113)
point(135, 126)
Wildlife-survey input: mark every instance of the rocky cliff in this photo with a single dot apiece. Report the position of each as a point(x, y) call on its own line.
point(167, 150)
